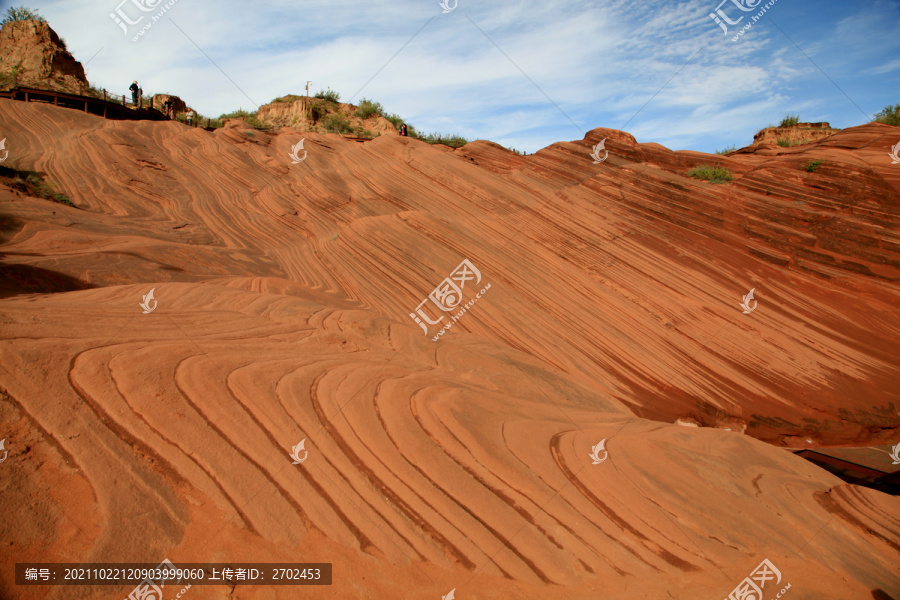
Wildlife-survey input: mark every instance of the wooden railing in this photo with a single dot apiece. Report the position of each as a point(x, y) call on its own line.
point(107, 105)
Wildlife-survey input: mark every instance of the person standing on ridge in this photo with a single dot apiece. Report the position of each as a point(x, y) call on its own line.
point(403, 130)
point(134, 92)
point(189, 119)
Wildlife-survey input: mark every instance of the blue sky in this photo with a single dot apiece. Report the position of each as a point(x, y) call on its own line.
point(523, 74)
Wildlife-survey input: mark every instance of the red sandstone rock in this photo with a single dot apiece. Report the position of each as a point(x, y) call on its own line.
point(41, 58)
point(284, 293)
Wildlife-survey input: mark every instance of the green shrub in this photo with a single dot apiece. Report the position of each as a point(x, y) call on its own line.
point(711, 174)
point(33, 184)
point(367, 108)
point(396, 120)
point(789, 121)
point(787, 143)
point(98, 93)
point(288, 98)
point(20, 13)
point(812, 165)
point(329, 94)
point(250, 118)
point(889, 116)
point(255, 123)
point(316, 111)
point(454, 141)
point(727, 150)
point(10, 78)
point(337, 123)
point(237, 114)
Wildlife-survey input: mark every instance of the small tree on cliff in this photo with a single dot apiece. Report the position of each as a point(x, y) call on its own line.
point(890, 115)
point(20, 13)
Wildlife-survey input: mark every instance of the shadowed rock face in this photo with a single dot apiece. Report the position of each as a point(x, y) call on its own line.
point(159, 100)
point(44, 62)
point(283, 298)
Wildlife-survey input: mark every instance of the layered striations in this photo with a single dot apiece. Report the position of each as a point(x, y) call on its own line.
point(284, 293)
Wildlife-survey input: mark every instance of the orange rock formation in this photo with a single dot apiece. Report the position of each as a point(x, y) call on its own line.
point(311, 114)
point(33, 55)
point(281, 313)
point(801, 133)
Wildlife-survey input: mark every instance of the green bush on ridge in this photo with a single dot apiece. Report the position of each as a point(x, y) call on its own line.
point(367, 108)
point(240, 113)
point(789, 121)
point(329, 94)
point(711, 174)
point(890, 115)
point(337, 123)
point(20, 13)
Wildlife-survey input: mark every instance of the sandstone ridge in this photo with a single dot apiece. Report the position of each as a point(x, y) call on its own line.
point(33, 55)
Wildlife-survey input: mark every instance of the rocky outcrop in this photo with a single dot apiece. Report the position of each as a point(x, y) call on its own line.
point(795, 135)
point(159, 100)
point(33, 55)
point(313, 114)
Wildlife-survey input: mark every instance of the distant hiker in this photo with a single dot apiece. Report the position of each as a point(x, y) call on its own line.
point(190, 117)
point(134, 92)
point(403, 130)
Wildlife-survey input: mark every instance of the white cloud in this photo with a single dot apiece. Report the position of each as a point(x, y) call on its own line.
point(600, 62)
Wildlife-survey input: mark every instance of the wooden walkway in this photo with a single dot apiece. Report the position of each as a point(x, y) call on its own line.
point(88, 104)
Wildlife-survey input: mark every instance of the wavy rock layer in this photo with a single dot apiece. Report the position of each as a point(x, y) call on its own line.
point(284, 293)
